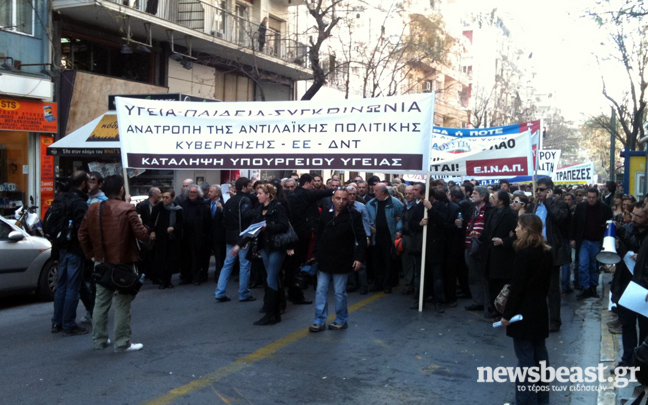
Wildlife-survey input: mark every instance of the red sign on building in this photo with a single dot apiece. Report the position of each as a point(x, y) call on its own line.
point(47, 174)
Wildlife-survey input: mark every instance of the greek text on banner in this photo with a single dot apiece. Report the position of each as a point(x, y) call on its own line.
point(390, 133)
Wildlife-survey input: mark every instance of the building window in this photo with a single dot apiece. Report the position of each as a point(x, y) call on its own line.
point(17, 15)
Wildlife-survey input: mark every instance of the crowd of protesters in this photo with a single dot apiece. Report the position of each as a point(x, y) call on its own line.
point(367, 235)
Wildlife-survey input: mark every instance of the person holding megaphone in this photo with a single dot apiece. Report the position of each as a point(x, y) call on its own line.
point(629, 238)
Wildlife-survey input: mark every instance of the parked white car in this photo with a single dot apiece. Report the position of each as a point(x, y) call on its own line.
point(25, 263)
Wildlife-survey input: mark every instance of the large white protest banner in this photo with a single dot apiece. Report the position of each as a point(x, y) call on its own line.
point(512, 157)
point(459, 140)
point(575, 174)
point(382, 134)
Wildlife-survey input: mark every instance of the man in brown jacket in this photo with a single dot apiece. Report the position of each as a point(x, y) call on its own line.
point(121, 226)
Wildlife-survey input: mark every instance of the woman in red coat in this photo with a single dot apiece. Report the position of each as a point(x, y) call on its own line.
point(528, 297)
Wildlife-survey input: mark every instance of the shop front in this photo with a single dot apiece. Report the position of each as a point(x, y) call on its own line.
point(27, 127)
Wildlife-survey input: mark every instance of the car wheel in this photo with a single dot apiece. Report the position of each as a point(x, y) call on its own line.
point(47, 281)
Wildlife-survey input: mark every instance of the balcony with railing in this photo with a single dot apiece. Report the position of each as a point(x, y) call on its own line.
point(220, 23)
point(212, 29)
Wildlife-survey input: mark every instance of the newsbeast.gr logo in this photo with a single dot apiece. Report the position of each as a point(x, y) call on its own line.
point(547, 374)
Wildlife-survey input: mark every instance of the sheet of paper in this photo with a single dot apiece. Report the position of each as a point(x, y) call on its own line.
point(634, 298)
point(253, 229)
point(629, 261)
point(225, 192)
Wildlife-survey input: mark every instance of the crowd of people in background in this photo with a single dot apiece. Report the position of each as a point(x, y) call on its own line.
point(367, 235)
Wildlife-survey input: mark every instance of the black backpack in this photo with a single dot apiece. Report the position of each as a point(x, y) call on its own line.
point(57, 219)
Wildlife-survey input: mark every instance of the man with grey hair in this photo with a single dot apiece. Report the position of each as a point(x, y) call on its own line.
point(196, 227)
point(476, 277)
point(412, 239)
point(385, 214)
point(182, 194)
point(290, 184)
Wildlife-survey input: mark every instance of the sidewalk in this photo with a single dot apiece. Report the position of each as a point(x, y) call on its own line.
point(611, 350)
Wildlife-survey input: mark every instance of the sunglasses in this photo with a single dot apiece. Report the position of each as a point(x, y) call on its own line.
point(542, 189)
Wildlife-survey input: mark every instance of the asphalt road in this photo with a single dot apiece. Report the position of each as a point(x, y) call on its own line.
point(198, 351)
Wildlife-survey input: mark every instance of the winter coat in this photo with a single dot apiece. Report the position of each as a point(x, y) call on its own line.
point(528, 297)
point(196, 218)
point(304, 211)
point(237, 215)
point(557, 213)
point(580, 219)
point(78, 208)
point(499, 259)
point(121, 226)
point(393, 212)
point(277, 222)
point(437, 232)
point(630, 239)
point(340, 241)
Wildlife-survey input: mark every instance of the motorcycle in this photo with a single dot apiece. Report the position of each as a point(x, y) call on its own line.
point(27, 218)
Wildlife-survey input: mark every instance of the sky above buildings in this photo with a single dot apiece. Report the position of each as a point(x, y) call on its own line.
point(565, 45)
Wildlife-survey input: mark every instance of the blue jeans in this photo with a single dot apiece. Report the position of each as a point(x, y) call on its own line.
point(272, 262)
point(226, 271)
point(321, 298)
point(66, 298)
point(587, 265)
point(529, 354)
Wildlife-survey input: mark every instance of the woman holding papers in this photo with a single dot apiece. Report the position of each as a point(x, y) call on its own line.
point(528, 297)
point(276, 222)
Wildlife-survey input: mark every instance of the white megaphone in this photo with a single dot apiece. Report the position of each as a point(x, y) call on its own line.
point(608, 255)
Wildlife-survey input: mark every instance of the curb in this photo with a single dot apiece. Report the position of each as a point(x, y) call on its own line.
point(609, 349)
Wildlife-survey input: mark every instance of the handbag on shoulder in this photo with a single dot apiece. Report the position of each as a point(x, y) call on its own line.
point(282, 240)
point(502, 298)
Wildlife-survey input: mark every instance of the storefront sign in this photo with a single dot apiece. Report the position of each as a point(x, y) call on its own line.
point(384, 134)
point(28, 115)
point(47, 174)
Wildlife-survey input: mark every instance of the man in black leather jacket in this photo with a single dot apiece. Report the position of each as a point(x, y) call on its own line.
point(553, 212)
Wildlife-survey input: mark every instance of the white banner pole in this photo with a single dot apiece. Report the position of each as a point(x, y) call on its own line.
point(424, 250)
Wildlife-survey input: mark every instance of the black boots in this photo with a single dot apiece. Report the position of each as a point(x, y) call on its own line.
point(272, 305)
point(587, 293)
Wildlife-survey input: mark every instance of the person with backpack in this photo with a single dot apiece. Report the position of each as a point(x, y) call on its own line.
point(62, 222)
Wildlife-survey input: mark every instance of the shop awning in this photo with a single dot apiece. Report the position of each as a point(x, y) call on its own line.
point(99, 137)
